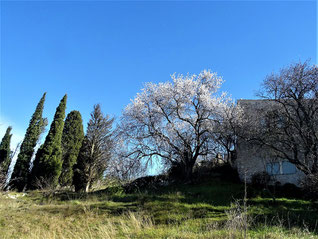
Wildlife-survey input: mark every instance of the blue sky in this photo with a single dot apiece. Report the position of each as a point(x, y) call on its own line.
point(103, 52)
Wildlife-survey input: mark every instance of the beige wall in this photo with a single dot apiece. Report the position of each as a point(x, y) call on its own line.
point(252, 159)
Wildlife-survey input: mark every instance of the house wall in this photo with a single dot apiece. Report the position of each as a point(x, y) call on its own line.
point(252, 159)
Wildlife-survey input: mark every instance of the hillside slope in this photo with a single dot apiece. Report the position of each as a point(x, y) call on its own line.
point(207, 210)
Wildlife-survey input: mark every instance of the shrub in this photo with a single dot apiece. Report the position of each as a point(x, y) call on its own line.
point(260, 179)
point(290, 190)
point(228, 173)
point(175, 172)
point(208, 170)
point(310, 186)
point(148, 182)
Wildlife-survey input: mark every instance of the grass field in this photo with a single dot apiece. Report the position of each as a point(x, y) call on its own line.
point(208, 210)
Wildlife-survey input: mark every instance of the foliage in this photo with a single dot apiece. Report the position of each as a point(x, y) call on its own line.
point(35, 129)
point(260, 179)
point(72, 138)
point(5, 151)
point(177, 122)
point(47, 165)
point(147, 183)
point(224, 171)
point(310, 186)
point(95, 152)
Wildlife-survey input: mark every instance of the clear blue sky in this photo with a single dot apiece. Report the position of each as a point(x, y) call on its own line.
point(103, 52)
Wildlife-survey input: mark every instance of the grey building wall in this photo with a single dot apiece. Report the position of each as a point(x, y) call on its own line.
point(252, 159)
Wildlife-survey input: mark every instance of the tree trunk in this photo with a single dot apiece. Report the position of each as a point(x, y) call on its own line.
point(87, 187)
point(188, 171)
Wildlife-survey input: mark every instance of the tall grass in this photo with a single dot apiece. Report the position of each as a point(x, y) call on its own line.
point(185, 212)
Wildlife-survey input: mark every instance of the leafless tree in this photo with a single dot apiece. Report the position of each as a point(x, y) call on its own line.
point(290, 126)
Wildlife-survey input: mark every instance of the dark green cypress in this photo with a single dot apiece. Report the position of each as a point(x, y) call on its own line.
point(5, 152)
point(95, 152)
point(81, 172)
point(72, 138)
point(36, 126)
point(47, 165)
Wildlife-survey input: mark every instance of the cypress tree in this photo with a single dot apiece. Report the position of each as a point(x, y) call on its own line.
point(36, 127)
point(81, 169)
point(72, 138)
point(47, 165)
point(5, 152)
point(95, 152)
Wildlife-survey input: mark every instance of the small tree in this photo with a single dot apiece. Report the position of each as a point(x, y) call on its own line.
point(72, 138)
point(95, 151)
point(47, 165)
point(5, 154)
point(36, 127)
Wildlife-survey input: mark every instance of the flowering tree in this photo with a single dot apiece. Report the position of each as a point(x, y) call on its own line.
point(122, 167)
point(177, 122)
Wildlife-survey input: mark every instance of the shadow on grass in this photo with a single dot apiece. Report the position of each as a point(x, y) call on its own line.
point(287, 212)
point(177, 203)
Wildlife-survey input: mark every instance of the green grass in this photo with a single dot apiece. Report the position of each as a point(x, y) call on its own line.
point(208, 210)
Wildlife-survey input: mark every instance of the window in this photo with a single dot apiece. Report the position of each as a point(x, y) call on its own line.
point(273, 168)
point(279, 168)
point(288, 168)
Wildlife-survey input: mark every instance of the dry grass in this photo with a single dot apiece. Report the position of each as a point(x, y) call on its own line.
point(168, 215)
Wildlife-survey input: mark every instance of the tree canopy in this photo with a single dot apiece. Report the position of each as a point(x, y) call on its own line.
point(5, 152)
point(36, 126)
point(291, 125)
point(72, 138)
point(95, 152)
point(47, 165)
point(177, 122)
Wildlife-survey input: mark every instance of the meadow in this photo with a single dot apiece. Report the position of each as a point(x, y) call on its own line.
point(213, 209)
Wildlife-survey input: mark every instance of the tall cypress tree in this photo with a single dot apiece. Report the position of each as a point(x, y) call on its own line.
point(95, 152)
point(5, 152)
point(36, 126)
point(72, 138)
point(47, 165)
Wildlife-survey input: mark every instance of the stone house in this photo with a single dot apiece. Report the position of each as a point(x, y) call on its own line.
point(252, 159)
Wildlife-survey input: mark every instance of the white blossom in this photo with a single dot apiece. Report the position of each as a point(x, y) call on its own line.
point(171, 119)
